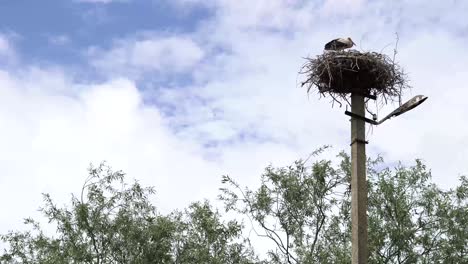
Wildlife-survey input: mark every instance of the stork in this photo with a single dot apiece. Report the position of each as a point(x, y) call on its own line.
point(339, 44)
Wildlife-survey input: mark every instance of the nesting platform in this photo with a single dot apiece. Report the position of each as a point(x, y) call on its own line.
point(340, 73)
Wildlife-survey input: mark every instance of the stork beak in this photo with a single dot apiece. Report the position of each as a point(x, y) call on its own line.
point(352, 42)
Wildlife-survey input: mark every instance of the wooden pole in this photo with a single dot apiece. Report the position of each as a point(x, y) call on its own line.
point(358, 182)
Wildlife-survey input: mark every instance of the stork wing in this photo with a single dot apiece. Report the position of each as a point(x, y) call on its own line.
point(332, 44)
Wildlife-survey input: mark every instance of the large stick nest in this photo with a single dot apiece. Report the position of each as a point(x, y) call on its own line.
point(339, 73)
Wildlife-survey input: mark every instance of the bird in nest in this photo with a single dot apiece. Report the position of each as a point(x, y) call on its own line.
point(339, 44)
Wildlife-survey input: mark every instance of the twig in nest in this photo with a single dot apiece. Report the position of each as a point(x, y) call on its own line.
point(341, 73)
point(395, 51)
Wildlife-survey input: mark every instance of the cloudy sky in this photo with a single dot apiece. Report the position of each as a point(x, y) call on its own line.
point(179, 92)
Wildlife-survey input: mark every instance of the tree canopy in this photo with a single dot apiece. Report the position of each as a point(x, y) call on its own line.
point(304, 209)
point(112, 222)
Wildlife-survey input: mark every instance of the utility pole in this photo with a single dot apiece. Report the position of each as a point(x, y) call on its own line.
point(358, 182)
point(363, 75)
point(360, 252)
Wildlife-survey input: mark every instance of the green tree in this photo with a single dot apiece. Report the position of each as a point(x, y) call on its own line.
point(203, 238)
point(112, 222)
point(305, 210)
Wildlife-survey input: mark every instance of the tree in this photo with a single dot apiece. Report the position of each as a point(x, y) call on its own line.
point(202, 238)
point(112, 222)
point(305, 211)
point(303, 208)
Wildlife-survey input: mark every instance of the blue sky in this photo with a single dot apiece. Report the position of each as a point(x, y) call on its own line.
point(56, 31)
point(178, 93)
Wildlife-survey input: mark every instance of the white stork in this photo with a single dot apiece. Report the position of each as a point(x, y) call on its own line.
point(339, 44)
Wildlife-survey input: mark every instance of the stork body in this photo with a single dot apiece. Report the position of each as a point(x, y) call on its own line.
point(339, 44)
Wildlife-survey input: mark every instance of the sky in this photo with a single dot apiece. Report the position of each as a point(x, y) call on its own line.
point(177, 93)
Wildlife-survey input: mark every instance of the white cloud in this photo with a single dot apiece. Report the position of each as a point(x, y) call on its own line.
point(254, 83)
point(54, 127)
point(7, 50)
point(58, 135)
point(149, 54)
point(342, 7)
point(4, 45)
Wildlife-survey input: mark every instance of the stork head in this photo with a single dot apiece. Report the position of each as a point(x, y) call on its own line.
point(352, 42)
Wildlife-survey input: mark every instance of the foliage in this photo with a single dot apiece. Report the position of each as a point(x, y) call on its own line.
point(202, 238)
point(305, 210)
point(112, 222)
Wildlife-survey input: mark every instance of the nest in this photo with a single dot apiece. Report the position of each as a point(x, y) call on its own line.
point(340, 73)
